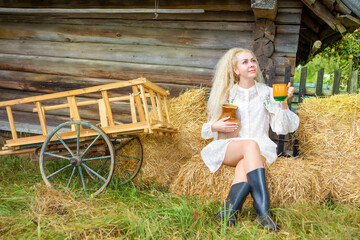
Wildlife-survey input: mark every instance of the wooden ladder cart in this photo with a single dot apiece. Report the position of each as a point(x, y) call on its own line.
point(78, 154)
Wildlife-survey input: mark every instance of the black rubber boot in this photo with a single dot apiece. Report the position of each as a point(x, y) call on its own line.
point(258, 190)
point(233, 203)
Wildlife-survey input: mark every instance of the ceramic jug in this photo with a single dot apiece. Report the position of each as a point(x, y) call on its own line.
point(229, 110)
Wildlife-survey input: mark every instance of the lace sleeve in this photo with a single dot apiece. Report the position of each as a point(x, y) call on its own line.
point(206, 132)
point(284, 121)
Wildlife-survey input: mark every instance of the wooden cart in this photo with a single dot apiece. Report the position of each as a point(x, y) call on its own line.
point(78, 154)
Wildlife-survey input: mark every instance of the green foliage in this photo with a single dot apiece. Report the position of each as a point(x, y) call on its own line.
point(339, 55)
point(29, 210)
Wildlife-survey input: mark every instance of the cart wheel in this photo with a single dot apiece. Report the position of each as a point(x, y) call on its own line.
point(128, 158)
point(76, 163)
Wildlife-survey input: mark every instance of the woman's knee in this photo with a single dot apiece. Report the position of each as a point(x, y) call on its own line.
point(251, 145)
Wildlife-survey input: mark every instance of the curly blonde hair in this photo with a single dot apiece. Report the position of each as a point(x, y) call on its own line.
point(224, 79)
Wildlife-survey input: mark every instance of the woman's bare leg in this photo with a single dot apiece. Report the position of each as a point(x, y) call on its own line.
point(245, 156)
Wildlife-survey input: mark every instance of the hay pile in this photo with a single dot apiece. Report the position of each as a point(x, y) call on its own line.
point(329, 145)
point(164, 156)
point(329, 134)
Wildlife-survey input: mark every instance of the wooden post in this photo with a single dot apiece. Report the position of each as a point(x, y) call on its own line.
point(336, 84)
point(319, 82)
point(350, 75)
point(138, 103)
point(11, 122)
point(132, 109)
point(108, 108)
point(166, 110)
point(302, 87)
point(74, 111)
point(159, 104)
point(42, 119)
point(353, 81)
point(152, 99)
point(102, 113)
point(145, 105)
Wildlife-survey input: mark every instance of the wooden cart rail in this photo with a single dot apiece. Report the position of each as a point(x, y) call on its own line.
point(142, 91)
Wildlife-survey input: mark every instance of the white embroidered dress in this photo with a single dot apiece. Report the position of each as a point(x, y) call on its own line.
point(257, 110)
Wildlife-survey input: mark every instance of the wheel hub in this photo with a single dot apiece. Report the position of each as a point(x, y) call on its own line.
point(75, 161)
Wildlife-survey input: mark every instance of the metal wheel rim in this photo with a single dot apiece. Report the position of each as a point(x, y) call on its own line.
point(87, 170)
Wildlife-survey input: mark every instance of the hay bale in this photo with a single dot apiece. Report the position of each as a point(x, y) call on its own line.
point(329, 133)
point(288, 180)
point(291, 179)
point(329, 126)
point(164, 155)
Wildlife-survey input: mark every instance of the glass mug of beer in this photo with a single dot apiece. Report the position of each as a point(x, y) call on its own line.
point(280, 92)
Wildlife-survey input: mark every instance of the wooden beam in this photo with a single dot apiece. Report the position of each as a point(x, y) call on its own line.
point(320, 10)
point(42, 119)
point(97, 10)
point(11, 122)
point(265, 8)
point(74, 92)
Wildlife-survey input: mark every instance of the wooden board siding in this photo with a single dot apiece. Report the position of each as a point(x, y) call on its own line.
point(46, 53)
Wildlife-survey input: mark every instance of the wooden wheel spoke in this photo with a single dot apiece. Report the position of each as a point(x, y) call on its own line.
point(55, 155)
point(91, 144)
point(95, 158)
point(120, 155)
point(93, 172)
point(122, 167)
point(58, 171)
point(71, 177)
point(65, 145)
point(78, 139)
point(82, 179)
point(120, 147)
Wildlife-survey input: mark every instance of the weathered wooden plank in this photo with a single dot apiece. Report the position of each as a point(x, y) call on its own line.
point(302, 86)
point(47, 83)
point(203, 58)
point(106, 69)
point(126, 35)
point(319, 82)
point(336, 84)
point(286, 42)
point(230, 5)
point(76, 92)
point(90, 112)
point(353, 81)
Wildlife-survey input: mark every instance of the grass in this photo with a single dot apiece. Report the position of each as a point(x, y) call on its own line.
point(29, 210)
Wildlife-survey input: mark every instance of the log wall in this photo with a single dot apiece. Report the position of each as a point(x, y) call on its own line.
point(46, 53)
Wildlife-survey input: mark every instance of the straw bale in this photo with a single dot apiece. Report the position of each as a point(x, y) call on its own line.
point(288, 180)
point(329, 133)
point(329, 126)
point(164, 155)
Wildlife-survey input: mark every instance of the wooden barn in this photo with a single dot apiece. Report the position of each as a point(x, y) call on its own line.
point(51, 46)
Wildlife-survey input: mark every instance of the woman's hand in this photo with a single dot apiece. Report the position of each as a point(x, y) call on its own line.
point(290, 91)
point(223, 126)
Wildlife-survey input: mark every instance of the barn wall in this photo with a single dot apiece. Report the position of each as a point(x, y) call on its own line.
point(46, 53)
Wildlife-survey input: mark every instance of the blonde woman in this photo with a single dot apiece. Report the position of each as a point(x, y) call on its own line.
point(238, 81)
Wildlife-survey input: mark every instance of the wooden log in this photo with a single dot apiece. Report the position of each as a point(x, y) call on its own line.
point(342, 8)
point(321, 11)
point(125, 35)
point(264, 28)
point(106, 69)
point(48, 83)
point(211, 5)
point(263, 46)
point(203, 58)
point(286, 42)
point(265, 9)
